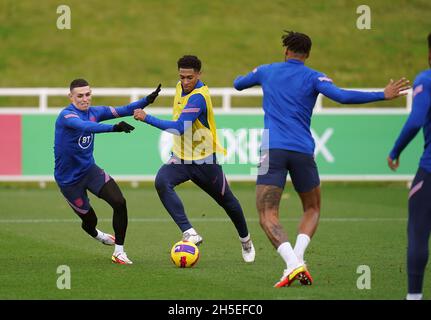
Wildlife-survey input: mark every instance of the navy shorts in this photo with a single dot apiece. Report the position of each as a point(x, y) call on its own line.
point(76, 194)
point(277, 163)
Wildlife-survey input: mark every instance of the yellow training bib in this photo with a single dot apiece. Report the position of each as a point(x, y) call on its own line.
point(198, 141)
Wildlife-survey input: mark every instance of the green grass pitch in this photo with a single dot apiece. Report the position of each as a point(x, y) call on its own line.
point(361, 224)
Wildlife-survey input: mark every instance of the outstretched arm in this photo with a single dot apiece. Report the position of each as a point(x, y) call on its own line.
point(72, 120)
point(106, 113)
point(190, 113)
point(393, 90)
point(415, 121)
point(249, 80)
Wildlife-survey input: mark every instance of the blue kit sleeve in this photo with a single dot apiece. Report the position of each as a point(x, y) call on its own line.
point(325, 86)
point(72, 120)
point(416, 119)
point(106, 113)
point(249, 80)
point(194, 108)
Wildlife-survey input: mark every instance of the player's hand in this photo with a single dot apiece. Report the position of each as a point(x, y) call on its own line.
point(153, 95)
point(393, 163)
point(139, 114)
point(395, 89)
point(123, 127)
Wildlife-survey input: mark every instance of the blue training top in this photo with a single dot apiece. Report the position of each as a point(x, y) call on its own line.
point(419, 117)
point(290, 90)
point(74, 138)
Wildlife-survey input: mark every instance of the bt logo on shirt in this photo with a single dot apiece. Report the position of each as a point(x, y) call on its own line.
point(85, 141)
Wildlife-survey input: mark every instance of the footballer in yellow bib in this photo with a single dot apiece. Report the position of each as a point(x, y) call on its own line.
point(194, 155)
point(199, 139)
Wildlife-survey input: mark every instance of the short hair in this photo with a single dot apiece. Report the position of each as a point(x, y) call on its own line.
point(296, 42)
point(189, 62)
point(429, 41)
point(78, 83)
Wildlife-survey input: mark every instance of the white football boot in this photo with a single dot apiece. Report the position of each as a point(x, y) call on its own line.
point(195, 238)
point(120, 258)
point(248, 252)
point(109, 240)
point(105, 238)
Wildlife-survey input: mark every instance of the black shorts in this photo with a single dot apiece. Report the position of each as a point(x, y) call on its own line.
point(275, 164)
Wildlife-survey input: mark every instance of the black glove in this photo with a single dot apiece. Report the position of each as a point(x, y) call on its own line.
point(153, 95)
point(123, 127)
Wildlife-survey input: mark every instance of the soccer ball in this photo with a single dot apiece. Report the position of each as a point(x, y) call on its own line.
point(184, 254)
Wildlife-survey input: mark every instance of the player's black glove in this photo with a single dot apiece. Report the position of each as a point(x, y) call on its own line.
point(123, 127)
point(153, 95)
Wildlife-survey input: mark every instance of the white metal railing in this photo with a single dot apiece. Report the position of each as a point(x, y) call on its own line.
point(135, 93)
point(225, 93)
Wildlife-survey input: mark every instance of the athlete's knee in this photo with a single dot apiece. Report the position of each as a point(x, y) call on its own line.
point(162, 182)
point(268, 198)
point(229, 202)
point(120, 203)
point(112, 194)
point(117, 201)
point(312, 209)
point(311, 201)
point(159, 183)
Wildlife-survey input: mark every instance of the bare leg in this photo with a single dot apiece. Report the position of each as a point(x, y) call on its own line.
point(311, 206)
point(267, 203)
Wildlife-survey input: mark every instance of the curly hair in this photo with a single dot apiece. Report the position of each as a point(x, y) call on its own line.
point(189, 62)
point(296, 42)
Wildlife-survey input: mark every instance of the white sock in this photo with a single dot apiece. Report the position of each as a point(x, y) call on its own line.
point(245, 239)
point(100, 235)
point(118, 248)
point(286, 252)
point(302, 241)
point(191, 231)
point(414, 296)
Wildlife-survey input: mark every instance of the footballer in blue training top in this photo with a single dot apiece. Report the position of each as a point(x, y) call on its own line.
point(419, 222)
point(290, 90)
point(75, 169)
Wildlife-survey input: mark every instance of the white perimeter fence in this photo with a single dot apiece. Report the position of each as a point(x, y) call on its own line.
point(226, 107)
